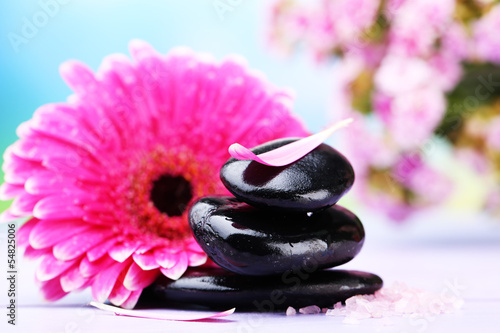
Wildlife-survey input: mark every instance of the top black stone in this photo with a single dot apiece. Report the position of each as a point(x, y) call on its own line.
point(314, 182)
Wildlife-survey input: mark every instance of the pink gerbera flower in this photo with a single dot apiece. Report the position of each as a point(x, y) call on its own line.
point(105, 178)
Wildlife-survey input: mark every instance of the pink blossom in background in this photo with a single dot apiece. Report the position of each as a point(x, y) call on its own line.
point(349, 18)
point(455, 42)
point(400, 74)
point(414, 116)
point(392, 8)
point(386, 200)
point(447, 70)
point(493, 134)
point(493, 200)
point(106, 178)
point(486, 39)
point(395, 68)
point(474, 159)
point(421, 179)
point(417, 24)
point(291, 28)
point(366, 146)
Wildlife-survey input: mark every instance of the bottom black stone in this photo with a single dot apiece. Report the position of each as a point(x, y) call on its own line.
point(216, 288)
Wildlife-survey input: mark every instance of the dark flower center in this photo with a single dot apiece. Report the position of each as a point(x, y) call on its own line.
point(171, 194)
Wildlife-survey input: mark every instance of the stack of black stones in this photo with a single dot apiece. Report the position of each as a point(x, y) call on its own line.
point(275, 238)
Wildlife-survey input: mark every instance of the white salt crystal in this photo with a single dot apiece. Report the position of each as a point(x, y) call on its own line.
point(291, 311)
point(397, 300)
point(311, 309)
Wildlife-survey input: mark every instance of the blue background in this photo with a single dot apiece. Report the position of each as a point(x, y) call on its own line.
point(88, 30)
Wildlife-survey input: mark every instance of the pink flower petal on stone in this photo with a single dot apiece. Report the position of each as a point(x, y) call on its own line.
point(288, 153)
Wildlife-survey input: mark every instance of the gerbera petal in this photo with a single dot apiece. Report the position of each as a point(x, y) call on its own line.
point(32, 253)
point(132, 103)
point(18, 170)
point(140, 49)
point(132, 300)
point(79, 77)
point(101, 249)
point(64, 118)
point(9, 191)
point(178, 269)
point(79, 244)
point(144, 248)
point(52, 290)
point(121, 252)
point(24, 232)
point(196, 259)
point(194, 246)
point(146, 261)
point(57, 207)
point(40, 148)
point(119, 294)
point(23, 205)
point(104, 281)
point(165, 259)
point(48, 183)
point(70, 164)
point(137, 278)
point(89, 268)
point(72, 279)
point(47, 233)
point(55, 128)
point(7, 216)
point(50, 267)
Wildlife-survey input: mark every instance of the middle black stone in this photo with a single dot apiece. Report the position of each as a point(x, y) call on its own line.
point(251, 241)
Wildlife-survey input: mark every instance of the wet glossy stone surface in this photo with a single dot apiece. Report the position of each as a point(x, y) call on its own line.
point(217, 288)
point(251, 241)
point(316, 181)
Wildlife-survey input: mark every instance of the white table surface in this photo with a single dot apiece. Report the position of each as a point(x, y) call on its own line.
point(436, 252)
